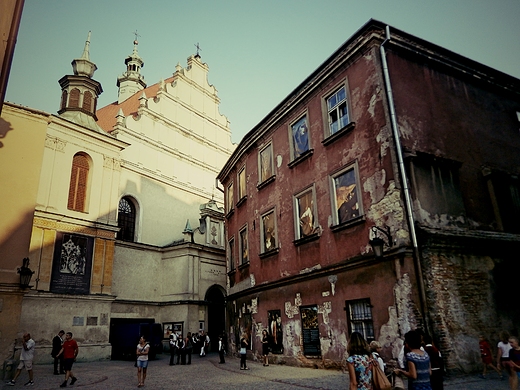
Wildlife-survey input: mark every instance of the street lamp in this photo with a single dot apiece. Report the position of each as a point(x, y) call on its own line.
point(378, 243)
point(25, 273)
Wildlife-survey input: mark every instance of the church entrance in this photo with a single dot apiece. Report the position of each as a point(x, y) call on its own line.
point(216, 314)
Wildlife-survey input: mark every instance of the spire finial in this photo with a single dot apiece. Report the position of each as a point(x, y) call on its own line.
point(198, 49)
point(136, 42)
point(86, 55)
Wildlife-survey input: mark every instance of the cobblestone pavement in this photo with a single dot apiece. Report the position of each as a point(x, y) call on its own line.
point(206, 373)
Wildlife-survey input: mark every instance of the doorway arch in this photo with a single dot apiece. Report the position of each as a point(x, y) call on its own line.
point(216, 301)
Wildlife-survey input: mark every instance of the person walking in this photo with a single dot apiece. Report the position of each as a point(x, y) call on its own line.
point(221, 350)
point(486, 356)
point(57, 342)
point(243, 351)
point(142, 360)
point(26, 360)
point(202, 342)
point(265, 347)
point(375, 349)
point(358, 363)
point(69, 350)
point(173, 348)
point(189, 347)
point(418, 363)
point(514, 362)
point(503, 348)
point(436, 363)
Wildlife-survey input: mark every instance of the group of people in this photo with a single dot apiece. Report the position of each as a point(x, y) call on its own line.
point(64, 353)
point(420, 361)
point(507, 358)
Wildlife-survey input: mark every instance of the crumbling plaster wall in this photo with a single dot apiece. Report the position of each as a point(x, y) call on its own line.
point(460, 303)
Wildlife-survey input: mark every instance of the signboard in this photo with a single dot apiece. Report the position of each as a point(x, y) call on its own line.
point(310, 331)
point(72, 264)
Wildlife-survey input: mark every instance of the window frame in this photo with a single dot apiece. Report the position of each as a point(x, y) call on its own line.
point(298, 214)
point(269, 177)
point(328, 135)
point(230, 198)
point(241, 234)
point(231, 255)
point(295, 158)
point(274, 235)
point(242, 187)
point(132, 204)
point(367, 324)
point(336, 220)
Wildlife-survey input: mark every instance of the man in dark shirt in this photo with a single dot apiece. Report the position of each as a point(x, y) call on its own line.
point(57, 341)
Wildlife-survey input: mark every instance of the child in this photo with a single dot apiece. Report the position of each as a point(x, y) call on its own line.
point(485, 354)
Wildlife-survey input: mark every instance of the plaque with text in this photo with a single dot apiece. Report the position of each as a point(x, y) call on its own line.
point(72, 264)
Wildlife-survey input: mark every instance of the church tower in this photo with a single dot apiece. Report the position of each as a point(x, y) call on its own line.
point(131, 81)
point(80, 92)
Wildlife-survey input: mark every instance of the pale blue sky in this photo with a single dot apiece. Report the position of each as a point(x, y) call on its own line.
point(257, 51)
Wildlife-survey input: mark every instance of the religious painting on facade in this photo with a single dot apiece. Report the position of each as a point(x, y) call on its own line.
point(346, 191)
point(229, 198)
point(242, 183)
point(300, 137)
point(266, 163)
point(72, 264)
point(310, 331)
point(244, 251)
point(268, 231)
point(305, 213)
point(274, 319)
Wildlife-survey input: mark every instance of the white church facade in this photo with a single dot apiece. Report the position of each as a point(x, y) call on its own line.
point(118, 190)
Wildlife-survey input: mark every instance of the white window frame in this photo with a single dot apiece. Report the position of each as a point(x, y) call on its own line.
point(230, 201)
point(242, 192)
point(335, 108)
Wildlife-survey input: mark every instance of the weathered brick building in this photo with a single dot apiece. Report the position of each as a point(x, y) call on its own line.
point(394, 138)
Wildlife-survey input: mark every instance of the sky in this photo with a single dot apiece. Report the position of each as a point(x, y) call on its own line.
point(257, 51)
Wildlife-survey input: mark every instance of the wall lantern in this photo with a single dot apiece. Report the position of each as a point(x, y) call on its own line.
point(25, 273)
point(378, 243)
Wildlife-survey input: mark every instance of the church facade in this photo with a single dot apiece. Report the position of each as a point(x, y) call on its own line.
point(112, 199)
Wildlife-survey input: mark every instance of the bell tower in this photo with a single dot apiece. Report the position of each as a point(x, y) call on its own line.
point(131, 81)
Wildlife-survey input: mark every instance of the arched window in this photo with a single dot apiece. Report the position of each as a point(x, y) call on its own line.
point(78, 183)
point(74, 98)
point(63, 100)
point(126, 220)
point(87, 101)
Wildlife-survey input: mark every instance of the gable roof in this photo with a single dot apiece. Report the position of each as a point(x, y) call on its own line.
point(107, 115)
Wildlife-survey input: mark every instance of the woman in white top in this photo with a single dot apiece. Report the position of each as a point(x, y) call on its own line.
point(142, 360)
point(375, 348)
point(503, 351)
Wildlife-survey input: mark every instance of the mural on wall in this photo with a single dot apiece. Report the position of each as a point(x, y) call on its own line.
point(300, 135)
point(275, 330)
point(72, 264)
point(346, 196)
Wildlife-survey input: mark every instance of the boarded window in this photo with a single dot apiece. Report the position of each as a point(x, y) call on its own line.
point(87, 101)
point(78, 183)
point(74, 98)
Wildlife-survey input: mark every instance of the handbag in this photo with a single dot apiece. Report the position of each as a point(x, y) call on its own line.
point(379, 379)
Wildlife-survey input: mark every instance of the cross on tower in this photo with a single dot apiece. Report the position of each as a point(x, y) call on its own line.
point(198, 48)
point(136, 35)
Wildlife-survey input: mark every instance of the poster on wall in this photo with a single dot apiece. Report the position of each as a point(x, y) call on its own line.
point(275, 330)
point(72, 264)
point(172, 327)
point(310, 331)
